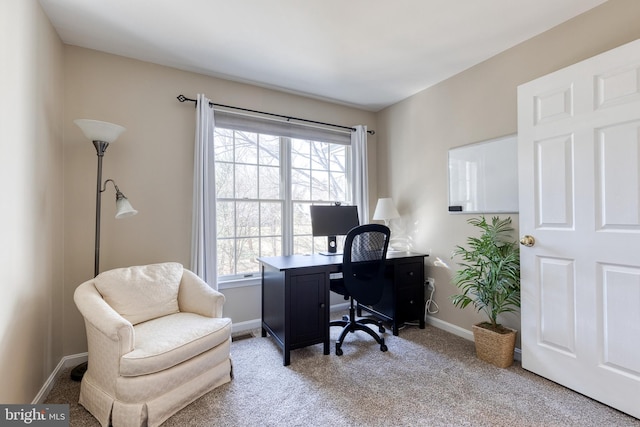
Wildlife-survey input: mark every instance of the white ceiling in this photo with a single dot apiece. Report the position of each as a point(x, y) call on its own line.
point(363, 53)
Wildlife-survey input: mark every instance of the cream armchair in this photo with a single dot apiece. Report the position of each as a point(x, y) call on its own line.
point(157, 342)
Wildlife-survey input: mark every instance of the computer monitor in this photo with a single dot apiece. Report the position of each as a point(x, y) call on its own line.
point(332, 221)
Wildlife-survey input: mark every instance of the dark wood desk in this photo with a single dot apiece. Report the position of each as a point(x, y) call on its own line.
point(295, 297)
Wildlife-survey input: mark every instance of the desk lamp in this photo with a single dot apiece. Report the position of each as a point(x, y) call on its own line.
point(385, 210)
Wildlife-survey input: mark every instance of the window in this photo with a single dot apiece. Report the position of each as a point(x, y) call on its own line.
point(267, 176)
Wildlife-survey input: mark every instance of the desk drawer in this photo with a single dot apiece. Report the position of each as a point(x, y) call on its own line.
point(410, 302)
point(409, 275)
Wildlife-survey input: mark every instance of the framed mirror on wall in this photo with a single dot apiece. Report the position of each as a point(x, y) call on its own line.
point(483, 177)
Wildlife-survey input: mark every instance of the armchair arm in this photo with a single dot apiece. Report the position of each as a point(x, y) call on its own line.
point(195, 296)
point(103, 318)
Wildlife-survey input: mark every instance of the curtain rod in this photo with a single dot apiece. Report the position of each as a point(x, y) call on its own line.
point(183, 98)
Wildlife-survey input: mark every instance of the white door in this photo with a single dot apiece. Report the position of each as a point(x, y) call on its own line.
point(579, 173)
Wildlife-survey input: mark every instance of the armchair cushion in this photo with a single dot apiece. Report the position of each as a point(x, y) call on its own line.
point(170, 340)
point(142, 293)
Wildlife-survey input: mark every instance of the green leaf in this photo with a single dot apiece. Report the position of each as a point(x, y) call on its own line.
point(489, 273)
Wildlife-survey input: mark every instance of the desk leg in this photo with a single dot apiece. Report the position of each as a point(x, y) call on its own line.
point(326, 342)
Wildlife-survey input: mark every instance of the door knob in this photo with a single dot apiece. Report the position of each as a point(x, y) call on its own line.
point(527, 240)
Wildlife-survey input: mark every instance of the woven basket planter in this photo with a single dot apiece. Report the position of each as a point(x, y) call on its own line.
point(494, 347)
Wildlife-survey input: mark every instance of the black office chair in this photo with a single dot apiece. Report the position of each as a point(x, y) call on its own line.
point(363, 263)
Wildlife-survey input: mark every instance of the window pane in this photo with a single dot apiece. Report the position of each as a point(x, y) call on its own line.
point(270, 246)
point(303, 245)
point(225, 219)
point(320, 155)
point(223, 144)
point(224, 180)
point(226, 257)
point(338, 187)
point(269, 182)
point(247, 219)
point(301, 219)
point(320, 186)
point(269, 150)
point(300, 184)
point(337, 159)
point(246, 181)
point(247, 250)
point(246, 147)
point(320, 244)
point(270, 219)
point(300, 154)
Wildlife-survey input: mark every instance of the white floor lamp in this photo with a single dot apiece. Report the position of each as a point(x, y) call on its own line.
point(102, 134)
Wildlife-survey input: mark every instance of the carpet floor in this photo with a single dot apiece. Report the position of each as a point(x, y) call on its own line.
point(427, 378)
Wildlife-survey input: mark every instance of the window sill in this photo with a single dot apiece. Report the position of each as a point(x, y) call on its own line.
point(240, 283)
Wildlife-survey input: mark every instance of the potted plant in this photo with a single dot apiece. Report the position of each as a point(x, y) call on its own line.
point(489, 279)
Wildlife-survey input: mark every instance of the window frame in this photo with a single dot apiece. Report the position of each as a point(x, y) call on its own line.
point(229, 121)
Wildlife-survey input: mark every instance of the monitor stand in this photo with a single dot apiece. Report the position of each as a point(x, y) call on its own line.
point(331, 247)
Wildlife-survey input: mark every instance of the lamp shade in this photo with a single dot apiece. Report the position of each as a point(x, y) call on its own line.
point(124, 208)
point(385, 209)
point(96, 130)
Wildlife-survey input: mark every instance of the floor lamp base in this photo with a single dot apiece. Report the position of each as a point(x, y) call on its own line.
point(78, 372)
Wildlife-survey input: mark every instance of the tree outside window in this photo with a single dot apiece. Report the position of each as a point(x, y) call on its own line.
point(264, 187)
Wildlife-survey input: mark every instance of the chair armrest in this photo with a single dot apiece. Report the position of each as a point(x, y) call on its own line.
point(102, 317)
point(195, 296)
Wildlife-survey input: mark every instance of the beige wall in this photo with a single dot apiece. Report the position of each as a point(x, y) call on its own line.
point(152, 163)
point(32, 192)
point(477, 104)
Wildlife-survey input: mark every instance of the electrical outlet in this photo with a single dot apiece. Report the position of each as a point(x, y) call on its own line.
point(431, 283)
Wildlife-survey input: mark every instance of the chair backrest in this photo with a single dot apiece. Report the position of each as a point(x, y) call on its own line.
point(142, 292)
point(363, 262)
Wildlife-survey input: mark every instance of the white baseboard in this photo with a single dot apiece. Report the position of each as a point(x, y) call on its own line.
point(461, 332)
point(451, 328)
point(248, 325)
point(65, 362)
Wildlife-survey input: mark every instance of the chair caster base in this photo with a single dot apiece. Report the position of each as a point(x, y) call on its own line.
point(339, 351)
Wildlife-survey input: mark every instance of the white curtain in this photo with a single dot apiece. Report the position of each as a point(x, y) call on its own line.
point(359, 168)
point(203, 229)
